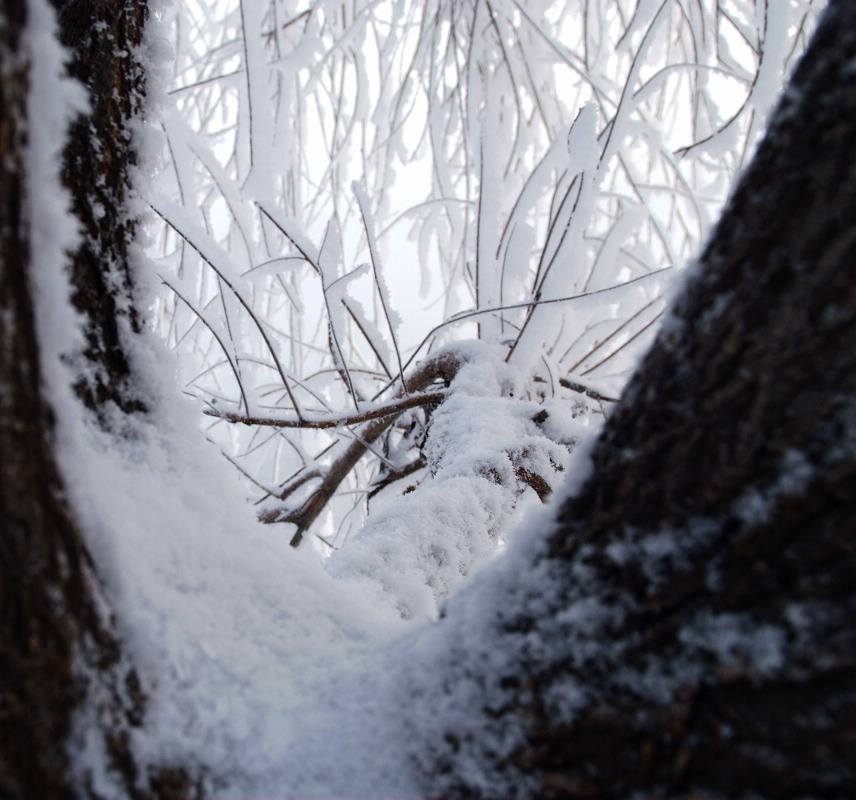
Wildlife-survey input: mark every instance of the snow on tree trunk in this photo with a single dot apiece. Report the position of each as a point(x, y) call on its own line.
point(59, 651)
point(688, 626)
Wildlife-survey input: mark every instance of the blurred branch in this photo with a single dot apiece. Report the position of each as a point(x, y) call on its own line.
point(586, 390)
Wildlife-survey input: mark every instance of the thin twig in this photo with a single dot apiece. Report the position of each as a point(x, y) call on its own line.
point(586, 390)
point(362, 201)
point(234, 366)
point(241, 300)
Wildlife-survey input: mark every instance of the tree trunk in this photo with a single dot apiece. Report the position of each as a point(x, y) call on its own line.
point(58, 646)
point(46, 589)
point(105, 39)
point(701, 630)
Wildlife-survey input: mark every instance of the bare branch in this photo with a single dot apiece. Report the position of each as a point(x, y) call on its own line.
point(362, 201)
point(334, 421)
point(586, 390)
point(443, 367)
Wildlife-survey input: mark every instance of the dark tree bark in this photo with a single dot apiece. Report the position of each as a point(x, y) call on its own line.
point(715, 534)
point(45, 589)
point(58, 647)
point(104, 40)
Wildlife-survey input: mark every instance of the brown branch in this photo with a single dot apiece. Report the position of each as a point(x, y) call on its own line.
point(443, 367)
point(535, 482)
point(397, 475)
point(291, 487)
point(392, 409)
point(581, 388)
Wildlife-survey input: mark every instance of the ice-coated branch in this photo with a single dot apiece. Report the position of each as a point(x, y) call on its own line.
point(581, 388)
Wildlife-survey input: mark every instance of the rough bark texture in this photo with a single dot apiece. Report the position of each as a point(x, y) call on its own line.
point(716, 530)
point(104, 39)
point(49, 625)
point(58, 649)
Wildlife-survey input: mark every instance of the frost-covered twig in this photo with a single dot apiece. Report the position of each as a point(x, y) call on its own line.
point(465, 315)
point(208, 259)
point(219, 339)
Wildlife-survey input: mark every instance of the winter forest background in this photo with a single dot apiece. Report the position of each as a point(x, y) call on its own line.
point(349, 187)
point(404, 258)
